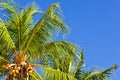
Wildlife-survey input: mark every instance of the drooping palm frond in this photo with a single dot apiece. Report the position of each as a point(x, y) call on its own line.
point(35, 76)
point(7, 11)
point(60, 49)
point(52, 74)
point(5, 38)
point(46, 27)
point(59, 52)
point(3, 60)
point(78, 70)
point(10, 9)
point(101, 75)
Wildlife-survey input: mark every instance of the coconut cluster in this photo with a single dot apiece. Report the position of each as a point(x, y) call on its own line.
point(19, 69)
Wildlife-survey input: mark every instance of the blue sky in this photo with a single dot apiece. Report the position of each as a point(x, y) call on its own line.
point(95, 26)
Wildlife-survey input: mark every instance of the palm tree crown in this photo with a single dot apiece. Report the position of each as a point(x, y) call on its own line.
point(23, 37)
point(24, 41)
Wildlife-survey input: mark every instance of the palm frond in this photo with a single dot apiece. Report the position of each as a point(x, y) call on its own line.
point(35, 76)
point(104, 75)
point(61, 53)
point(2, 59)
point(5, 37)
point(58, 51)
point(28, 15)
point(46, 27)
point(60, 48)
point(78, 70)
point(25, 20)
point(5, 5)
point(21, 25)
point(52, 74)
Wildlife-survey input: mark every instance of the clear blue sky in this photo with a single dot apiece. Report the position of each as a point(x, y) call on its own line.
point(95, 25)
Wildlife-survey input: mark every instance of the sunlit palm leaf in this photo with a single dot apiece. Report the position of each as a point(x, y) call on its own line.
point(2, 59)
point(60, 49)
point(21, 25)
point(28, 15)
point(35, 76)
point(52, 74)
point(26, 19)
point(59, 52)
point(6, 6)
point(5, 37)
point(50, 23)
point(101, 75)
point(78, 71)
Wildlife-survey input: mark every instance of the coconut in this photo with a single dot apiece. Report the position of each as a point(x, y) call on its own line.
point(18, 68)
point(16, 71)
point(11, 72)
point(4, 67)
point(30, 72)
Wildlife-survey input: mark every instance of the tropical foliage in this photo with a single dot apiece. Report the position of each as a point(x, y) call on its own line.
point(78, 71)
point(26, 43)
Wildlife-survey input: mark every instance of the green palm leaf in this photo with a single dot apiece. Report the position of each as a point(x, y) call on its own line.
point(58, 51)
point(101, 75)
point(2, 60)
point(59, 48)
point(52, 74)
point(50, 23)
point(78, 71)
point(7, 6)
point(35, 76)
point(5, 37)
point(21, 25)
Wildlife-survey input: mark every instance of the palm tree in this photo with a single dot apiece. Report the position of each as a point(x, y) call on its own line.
point(25, 43)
